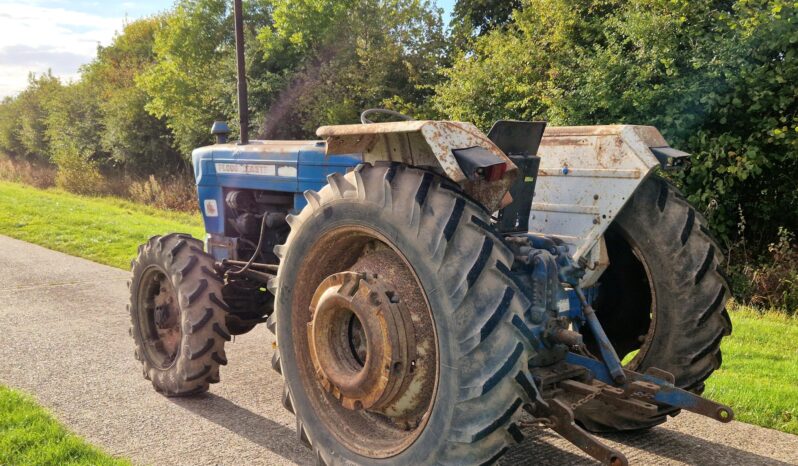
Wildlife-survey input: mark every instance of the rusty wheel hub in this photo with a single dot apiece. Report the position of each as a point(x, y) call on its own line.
point(360, 340)
point(164, 313)
point(160, 319)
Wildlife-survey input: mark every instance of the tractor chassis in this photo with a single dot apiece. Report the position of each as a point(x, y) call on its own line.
point(242, 291)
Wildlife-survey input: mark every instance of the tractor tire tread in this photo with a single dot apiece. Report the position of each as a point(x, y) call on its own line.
point(197, 362)
point(494, 357)
point(688, 269)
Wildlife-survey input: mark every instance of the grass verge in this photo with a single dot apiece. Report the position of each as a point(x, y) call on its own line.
point(105, 230)
point(759, 377)
point(28, 435)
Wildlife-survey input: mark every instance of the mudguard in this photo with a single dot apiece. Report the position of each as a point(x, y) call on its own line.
point(587, 174)
point(424, 143)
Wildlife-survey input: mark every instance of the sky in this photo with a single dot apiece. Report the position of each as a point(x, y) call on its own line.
point(62, 35)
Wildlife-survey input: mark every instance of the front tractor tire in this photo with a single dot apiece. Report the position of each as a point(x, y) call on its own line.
point(399, 329)
point(177, 316)
point(662, 301)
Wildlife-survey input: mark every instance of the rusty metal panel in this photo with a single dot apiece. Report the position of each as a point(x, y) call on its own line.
point(422, 143)
point(587, 173)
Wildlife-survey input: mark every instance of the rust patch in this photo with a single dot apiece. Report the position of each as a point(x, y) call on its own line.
point(564, 141)
point(421, 143)
point(360, 344)
point(411, 403)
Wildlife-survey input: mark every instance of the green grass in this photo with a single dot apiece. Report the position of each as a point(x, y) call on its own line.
point(759, 376)
point(28, 435)
point(105, 230)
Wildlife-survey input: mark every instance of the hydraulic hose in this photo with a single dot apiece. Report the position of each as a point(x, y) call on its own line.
point(255, 254)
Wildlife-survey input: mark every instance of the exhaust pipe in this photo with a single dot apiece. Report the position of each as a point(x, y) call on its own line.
point(243, 110)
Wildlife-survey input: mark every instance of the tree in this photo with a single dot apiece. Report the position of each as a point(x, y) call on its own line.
point(131, 137)
point(746, 160)
point(716, 76)
point(478, 17)
point(10, 127)
point(193, 80)
point(31, 111)
point(499, 78)
point(330, 59)
point(73, 123)
point(74, 128)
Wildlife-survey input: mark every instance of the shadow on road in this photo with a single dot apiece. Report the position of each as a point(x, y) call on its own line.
point(256, 428)
point(689, 449)
point(544, 447)
point(541, 447)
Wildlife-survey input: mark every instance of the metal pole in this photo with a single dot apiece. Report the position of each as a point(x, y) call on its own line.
point(243, 110)
point(608, 353)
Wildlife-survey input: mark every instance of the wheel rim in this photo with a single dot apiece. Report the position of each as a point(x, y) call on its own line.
point(159, 318)
point(627, 304)
point(366, 348)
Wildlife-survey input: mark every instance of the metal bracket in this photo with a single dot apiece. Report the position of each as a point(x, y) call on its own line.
point(670, 158)
point(517, 137)
point(657, 386)
point(561, 420)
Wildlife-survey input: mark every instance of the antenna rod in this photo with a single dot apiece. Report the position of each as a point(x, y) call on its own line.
point(243, 110)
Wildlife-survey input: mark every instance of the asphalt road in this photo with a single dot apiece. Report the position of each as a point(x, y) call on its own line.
point(63, 338)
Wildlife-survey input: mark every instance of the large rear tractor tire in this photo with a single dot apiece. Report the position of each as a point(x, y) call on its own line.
point(662, 300)
point(177, 316)
point(399, 329)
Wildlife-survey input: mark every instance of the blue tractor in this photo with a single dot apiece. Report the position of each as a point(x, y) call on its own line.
point(427, 284)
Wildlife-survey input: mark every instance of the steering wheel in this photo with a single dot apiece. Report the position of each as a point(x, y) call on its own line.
point(384, 111)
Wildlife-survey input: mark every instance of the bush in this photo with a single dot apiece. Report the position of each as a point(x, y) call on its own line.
point(772, 281)
point(173, 193)
point(40, 175)
point(79, 175)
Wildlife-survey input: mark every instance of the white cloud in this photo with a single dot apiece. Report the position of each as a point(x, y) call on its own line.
point(37, 38)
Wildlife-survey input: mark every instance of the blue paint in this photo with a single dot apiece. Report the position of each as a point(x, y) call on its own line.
point(608, 354)
point(314, 167)
point(574, 311)
point(668, 394)
point(673, 396)
point(595, 366)
point(297, 167)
